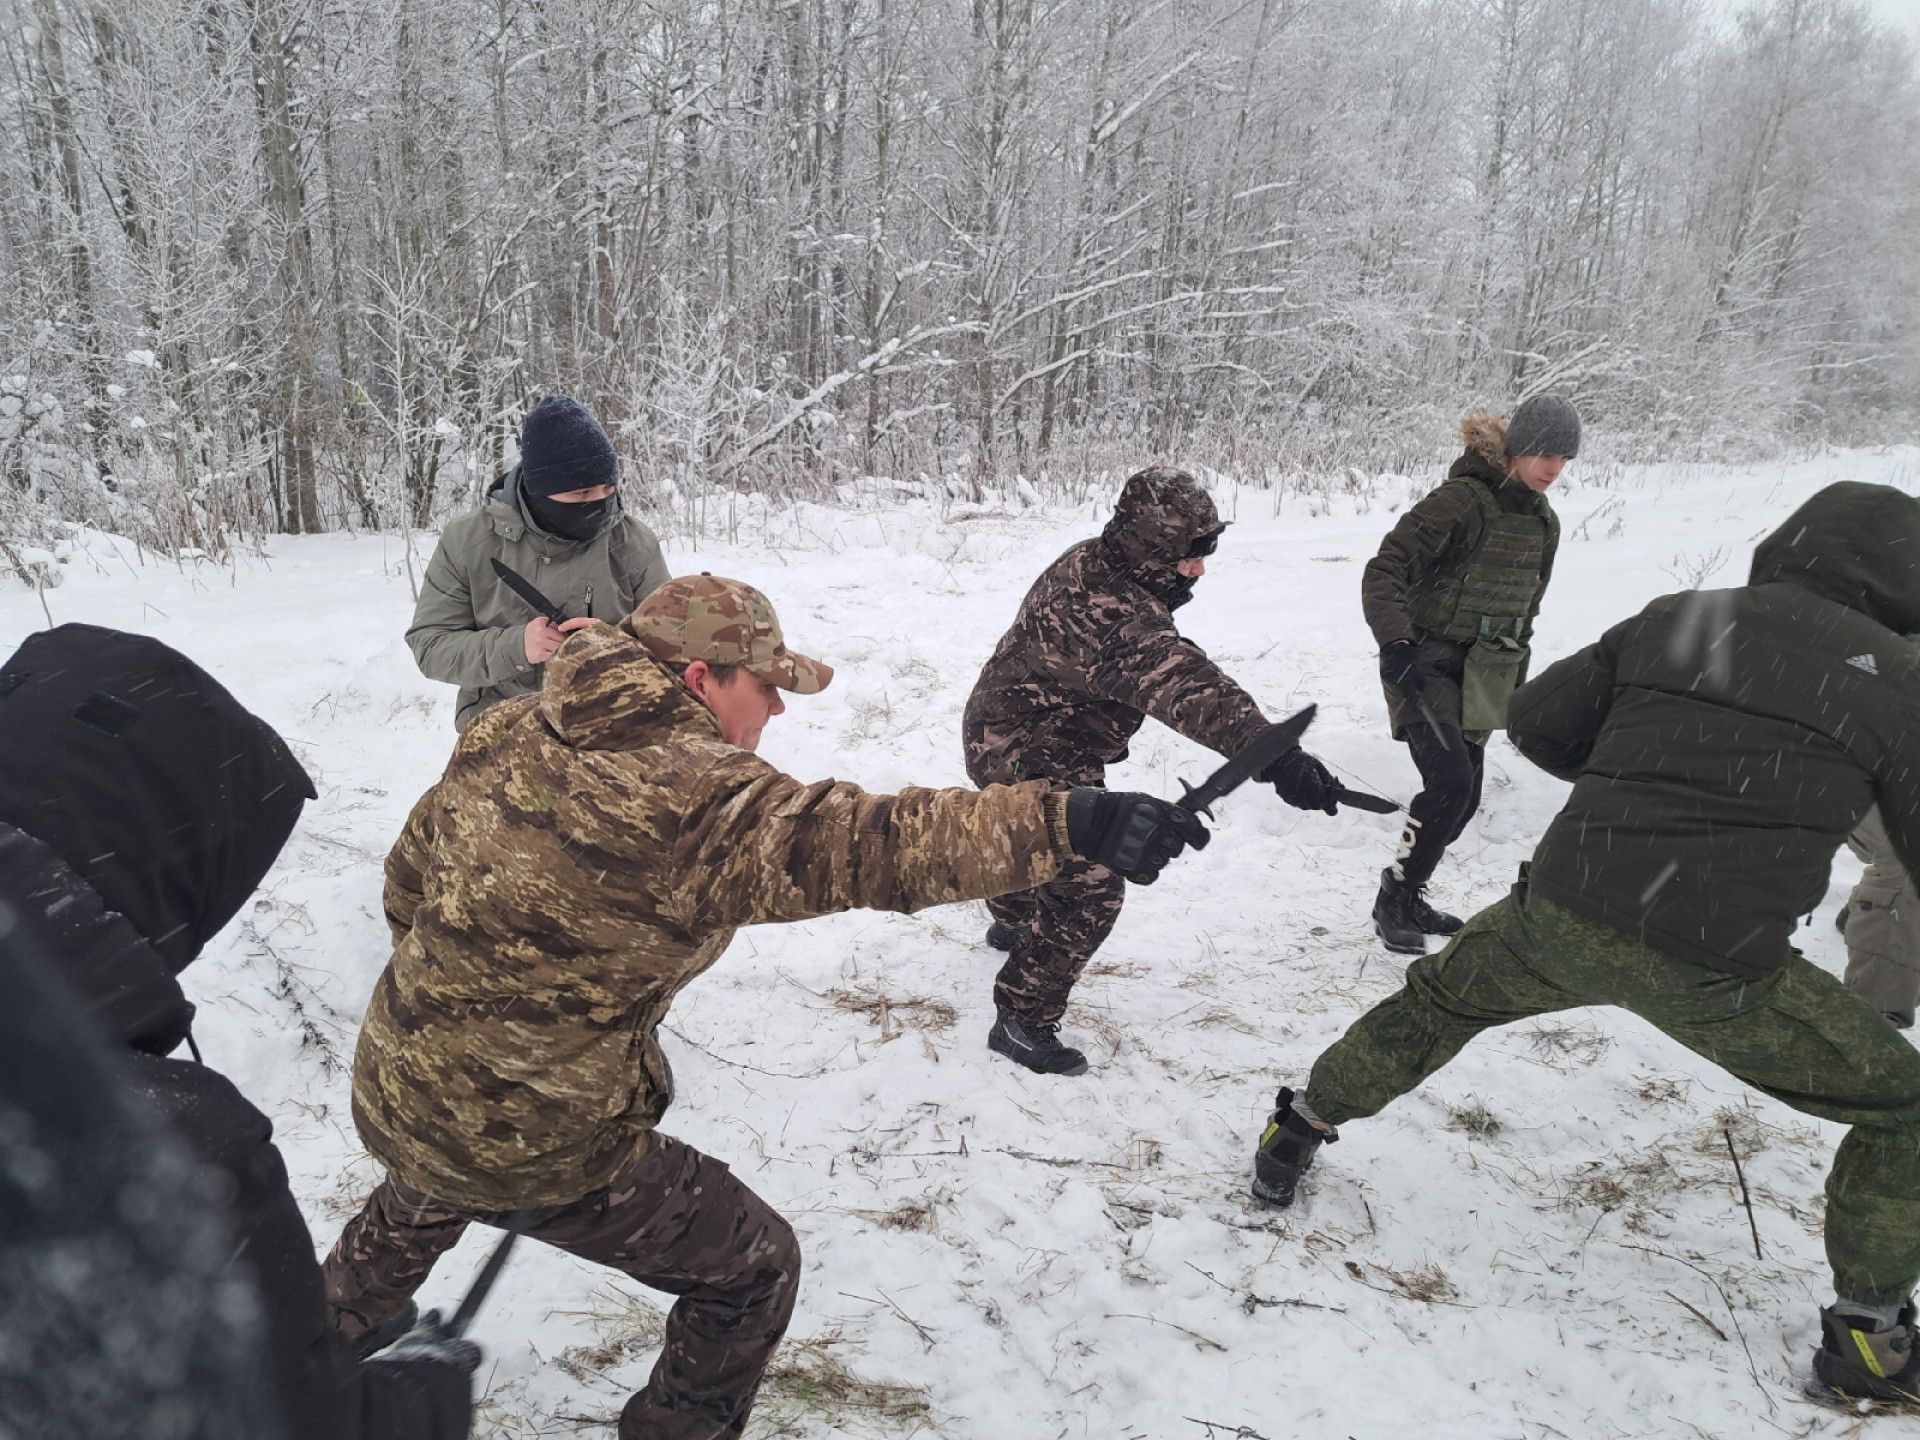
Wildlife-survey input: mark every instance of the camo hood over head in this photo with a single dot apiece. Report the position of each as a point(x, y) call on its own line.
point(1095, 650)
point(1160, 513)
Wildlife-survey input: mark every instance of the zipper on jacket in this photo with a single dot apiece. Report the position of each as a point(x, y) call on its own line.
point(589, 602)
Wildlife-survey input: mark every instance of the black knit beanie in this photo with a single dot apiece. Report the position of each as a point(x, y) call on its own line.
point(1544, 425)
point(563, 448)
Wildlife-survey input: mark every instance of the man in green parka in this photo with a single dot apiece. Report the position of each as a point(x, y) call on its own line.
point(1451, 599)
point(555, 518)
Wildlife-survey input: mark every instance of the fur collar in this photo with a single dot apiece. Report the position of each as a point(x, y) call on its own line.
point(1485, 435)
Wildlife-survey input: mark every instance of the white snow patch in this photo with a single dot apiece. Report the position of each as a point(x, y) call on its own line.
point(1544, 1240)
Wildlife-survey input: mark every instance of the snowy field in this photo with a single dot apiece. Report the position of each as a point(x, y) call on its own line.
point(1546, 1240)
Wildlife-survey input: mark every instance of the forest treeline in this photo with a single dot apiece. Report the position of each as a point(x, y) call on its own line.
point(297, 264)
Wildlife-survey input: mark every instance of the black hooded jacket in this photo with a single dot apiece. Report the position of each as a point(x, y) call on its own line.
point(1722, 743)
point(140, 805)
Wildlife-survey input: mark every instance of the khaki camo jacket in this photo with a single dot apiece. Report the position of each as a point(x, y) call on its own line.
point(588, 852)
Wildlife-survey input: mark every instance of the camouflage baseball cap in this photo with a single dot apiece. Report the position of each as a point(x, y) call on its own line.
point(723, 622)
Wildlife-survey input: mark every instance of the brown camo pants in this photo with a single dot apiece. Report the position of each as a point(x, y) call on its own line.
point(1056, 927)
point(674, 1219)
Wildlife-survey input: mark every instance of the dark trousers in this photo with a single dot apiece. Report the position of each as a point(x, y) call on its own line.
point(1451, 770)
point(1056, 929)
point(1796, 1033)
point(674, 1219)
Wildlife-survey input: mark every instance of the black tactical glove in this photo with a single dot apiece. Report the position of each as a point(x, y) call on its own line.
point(1402, 667)
point(1303, 782)
point(428, 1341)
point(1131, 834)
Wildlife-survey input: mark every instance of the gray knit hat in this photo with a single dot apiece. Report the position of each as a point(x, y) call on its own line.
point(1544, 425)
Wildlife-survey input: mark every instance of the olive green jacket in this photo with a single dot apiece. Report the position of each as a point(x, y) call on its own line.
point(1441, 530)
point(588, 852)
point(468, 627)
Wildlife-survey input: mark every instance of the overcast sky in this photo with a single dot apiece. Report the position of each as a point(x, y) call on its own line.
point(1901, 12)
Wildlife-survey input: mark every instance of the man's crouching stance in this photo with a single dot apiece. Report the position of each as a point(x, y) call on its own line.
point(590, 850)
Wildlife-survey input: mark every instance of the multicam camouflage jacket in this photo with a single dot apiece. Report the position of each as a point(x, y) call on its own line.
point(588, 852)
point(1094, 651)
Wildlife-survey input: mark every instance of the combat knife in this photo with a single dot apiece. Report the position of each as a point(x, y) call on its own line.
point(1267, 747)
point(1361, 800)
point(528, 592)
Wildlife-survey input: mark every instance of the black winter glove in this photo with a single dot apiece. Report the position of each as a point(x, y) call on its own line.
point(1133, 835)
point(1402, 667)
point(1303, 782)
point(428, 1341)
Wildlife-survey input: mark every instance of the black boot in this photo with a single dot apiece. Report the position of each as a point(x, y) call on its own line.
point(1286, 1151)
point(999, 936)
point(1430, 920)
point(1863, 1364)
point(1037, 1047)
point(387, 1331)
point(1394, 920)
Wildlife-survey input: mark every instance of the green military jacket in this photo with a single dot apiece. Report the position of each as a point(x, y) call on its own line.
point(1436, 540)
point(468, 627)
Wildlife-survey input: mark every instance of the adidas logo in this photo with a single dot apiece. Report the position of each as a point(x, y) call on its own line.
point(1864, 662)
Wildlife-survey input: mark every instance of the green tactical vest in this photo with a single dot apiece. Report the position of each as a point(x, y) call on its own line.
point(1491, 590)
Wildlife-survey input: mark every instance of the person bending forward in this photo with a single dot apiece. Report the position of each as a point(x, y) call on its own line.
point(1092, 653)
point(1722, 744)
point(588, 852)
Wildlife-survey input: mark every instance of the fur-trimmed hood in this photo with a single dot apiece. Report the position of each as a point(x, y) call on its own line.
point(1484, 435)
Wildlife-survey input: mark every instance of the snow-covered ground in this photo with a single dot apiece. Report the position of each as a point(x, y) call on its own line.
point(1546, 1240)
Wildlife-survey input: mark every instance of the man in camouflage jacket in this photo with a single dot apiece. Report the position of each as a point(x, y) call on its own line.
point(590, 850)
point(1092, 653)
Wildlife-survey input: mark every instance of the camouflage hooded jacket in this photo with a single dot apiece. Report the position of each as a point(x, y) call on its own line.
point(1094, 651)
point(588, 852)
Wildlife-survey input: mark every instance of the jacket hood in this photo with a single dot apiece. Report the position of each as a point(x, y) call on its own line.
point(154, 785)
point(1483, 438)
point(125, 988)
point(1160, 513)
point(603, 691)
point(1855, 544)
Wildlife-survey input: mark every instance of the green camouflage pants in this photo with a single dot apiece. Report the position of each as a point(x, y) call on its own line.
point(1798, 1034)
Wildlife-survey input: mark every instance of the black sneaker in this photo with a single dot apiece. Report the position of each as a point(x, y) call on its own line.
point(386, 1332)
point(1286, 1152)
point(1037, 1047)
point(999, 936)
point(1394, 920)
point(1864, 1364)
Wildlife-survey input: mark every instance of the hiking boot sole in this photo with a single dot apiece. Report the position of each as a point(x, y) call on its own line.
point(1838, 1383)
point(1276, 1192)
point(1414, 946)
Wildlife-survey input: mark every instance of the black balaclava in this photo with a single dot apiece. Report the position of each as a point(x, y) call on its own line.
point(575, 520)
point(146, 777)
